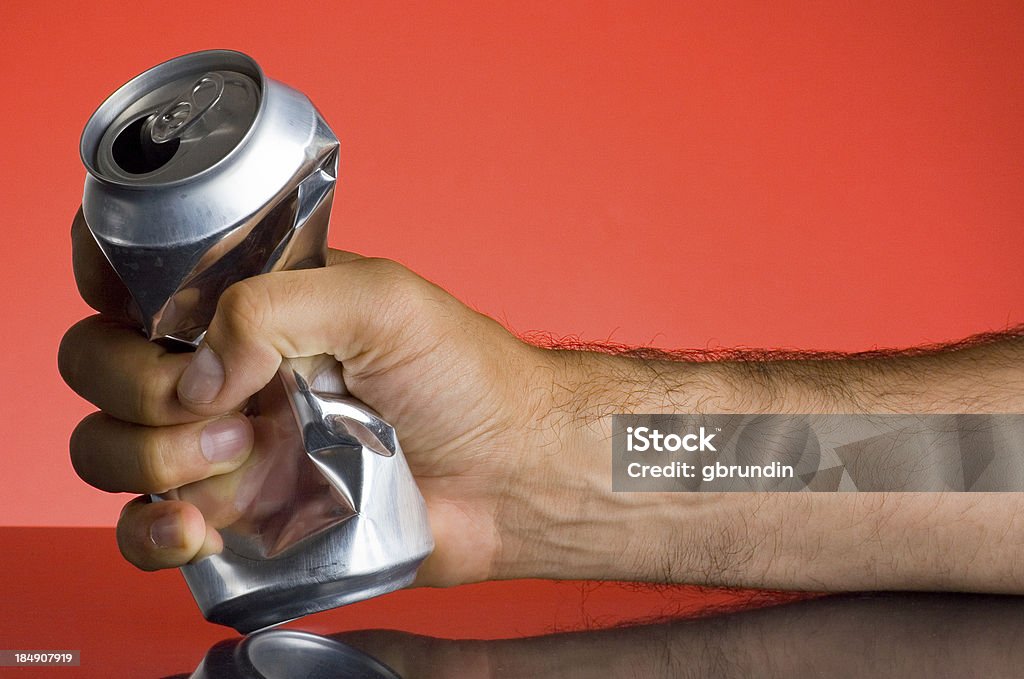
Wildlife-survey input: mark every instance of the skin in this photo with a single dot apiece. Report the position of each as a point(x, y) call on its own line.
point(509, 442)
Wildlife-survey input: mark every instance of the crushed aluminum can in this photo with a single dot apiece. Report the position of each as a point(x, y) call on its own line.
point(203, 172)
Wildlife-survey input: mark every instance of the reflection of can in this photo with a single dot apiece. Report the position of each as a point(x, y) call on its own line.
point(202, 172)
point(279, 654)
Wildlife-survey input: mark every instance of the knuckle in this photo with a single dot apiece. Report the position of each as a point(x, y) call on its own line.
point(284, 291)
point(243, 307)
point(406, 306)
point(287, 288)
point(151, 396)
point(399, 289)
point(156, 463)
point(391, 276)
point(152, 378)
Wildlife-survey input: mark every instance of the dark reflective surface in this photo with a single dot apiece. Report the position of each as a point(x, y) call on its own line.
point(281, 654)
point(69, 589)
point(885, 635)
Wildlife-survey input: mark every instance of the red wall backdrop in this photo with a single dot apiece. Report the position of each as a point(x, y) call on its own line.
point(815, 175)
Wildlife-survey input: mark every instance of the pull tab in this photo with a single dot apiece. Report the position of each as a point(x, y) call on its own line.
point(185, 109)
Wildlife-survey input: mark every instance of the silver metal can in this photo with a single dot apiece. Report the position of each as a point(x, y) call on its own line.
point(203, 172)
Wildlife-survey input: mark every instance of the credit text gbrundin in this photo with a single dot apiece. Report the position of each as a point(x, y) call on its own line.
point(646, 439)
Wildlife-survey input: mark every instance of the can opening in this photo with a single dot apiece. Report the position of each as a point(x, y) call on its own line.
point(135, 152)
point(123, 144)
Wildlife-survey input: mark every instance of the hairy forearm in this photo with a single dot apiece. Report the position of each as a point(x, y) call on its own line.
point(981, 374)
point(818, 541)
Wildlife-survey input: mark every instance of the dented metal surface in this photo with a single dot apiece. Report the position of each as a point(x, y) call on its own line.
point(203, 172)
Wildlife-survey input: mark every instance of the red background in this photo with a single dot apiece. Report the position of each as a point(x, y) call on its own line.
point(814, 175)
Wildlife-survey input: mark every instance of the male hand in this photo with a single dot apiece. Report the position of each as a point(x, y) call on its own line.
point(467, 399)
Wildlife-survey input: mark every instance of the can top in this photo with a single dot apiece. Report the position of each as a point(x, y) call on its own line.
point(174, 121)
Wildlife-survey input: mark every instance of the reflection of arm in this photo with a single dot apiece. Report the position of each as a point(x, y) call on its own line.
point(896, 636)
point(812, 541)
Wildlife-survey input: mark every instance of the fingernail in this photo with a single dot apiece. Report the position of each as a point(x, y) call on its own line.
point(166, 532)
point(203, 378)
point(225, 439)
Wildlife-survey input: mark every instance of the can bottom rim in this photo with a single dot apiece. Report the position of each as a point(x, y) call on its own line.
point(262, 609)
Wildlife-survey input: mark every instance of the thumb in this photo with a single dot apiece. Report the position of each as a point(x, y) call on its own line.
point(343, 310)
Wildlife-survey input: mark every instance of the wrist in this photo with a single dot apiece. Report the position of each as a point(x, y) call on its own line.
point(560, 518)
